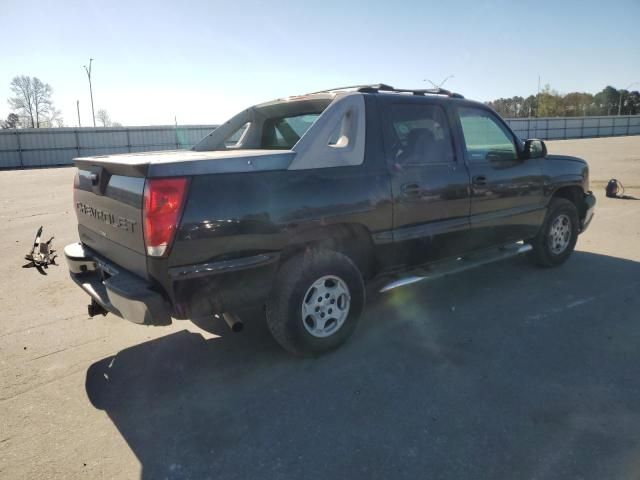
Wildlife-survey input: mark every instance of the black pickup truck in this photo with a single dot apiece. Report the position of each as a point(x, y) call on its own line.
point(295, 204)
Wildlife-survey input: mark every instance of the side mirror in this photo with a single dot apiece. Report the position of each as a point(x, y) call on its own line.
point(534, 148)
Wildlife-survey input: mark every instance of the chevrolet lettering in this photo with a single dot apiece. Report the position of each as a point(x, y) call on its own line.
point(107, 217)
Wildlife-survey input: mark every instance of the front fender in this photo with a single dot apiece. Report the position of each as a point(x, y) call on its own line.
point(560, 171)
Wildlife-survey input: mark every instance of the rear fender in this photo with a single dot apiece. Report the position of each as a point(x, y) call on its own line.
point(353, 240)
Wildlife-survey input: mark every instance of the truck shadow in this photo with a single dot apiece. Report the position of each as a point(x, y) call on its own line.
point(502, 372)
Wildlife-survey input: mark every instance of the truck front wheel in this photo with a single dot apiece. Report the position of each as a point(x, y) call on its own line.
point(316, 302)
point(558, 235)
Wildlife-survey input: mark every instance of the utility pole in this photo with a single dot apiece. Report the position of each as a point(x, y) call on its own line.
point(621, 94)
point(538, 97)
point(88, 70)
point(620, 104)
point(78, 107)
point(175, 121)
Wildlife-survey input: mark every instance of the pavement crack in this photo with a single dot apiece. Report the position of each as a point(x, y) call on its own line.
point(35, 327)
point(67, 348)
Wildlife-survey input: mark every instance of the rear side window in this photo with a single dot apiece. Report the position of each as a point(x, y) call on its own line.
point(284, 132)
point(485, 137)
point(417, 135)
point(234, 140)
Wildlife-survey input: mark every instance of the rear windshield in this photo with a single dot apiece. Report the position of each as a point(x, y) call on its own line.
point(276, 125)
point(284, 132)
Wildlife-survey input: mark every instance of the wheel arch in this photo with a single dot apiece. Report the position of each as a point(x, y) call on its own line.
point(573, 193)
point(351, 239)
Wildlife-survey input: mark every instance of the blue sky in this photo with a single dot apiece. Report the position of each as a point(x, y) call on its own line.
point(204, 60)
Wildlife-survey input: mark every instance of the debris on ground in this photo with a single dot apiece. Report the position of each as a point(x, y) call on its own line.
point(41, 255)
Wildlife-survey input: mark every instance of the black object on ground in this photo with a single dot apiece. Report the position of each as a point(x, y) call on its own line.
point(613, 187)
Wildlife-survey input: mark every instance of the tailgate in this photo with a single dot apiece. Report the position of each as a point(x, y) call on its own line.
point(109, 193)
point(108, 205)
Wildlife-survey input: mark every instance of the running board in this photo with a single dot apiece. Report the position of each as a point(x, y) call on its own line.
point(460, 265)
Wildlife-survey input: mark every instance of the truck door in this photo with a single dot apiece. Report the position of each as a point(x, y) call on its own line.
point(507, 201)
point(429, 183)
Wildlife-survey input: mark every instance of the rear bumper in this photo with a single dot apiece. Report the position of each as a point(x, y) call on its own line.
point(115, 289)
point(589, 208)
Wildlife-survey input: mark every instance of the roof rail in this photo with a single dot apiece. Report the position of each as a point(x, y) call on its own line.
point(414, 91)
point(351, 87)
point(382, 87)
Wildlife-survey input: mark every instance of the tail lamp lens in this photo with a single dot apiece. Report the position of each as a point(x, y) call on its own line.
point(163, 200)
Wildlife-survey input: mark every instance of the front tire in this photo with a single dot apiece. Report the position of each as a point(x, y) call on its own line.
point(316, 302)
point(558, 235)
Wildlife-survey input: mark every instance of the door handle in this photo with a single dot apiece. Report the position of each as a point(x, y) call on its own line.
point(410, 189)
point(479, 180)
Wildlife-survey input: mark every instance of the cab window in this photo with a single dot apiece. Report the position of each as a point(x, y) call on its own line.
point(418, 134)
point(485, 137)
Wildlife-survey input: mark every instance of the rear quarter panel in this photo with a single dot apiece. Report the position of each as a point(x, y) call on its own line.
point(233, 215)
point(238, 214)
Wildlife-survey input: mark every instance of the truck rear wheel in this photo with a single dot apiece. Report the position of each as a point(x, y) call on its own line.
point(558, 235)
point(316, 302)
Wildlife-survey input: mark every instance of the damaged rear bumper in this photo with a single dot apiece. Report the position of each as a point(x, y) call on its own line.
point(116, 290)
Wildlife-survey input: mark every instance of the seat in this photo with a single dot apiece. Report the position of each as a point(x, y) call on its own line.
point(421, 147)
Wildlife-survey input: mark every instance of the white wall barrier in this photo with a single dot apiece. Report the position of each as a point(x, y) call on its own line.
point(43, 147)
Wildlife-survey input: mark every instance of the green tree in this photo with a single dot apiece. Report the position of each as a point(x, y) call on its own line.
point(549, 103)
point(607, 100)
point(631, 103)
point(529, 106)
point(12, 121)
point(576, 104)
point(499, 106)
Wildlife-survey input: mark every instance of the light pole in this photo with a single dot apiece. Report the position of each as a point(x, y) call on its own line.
point(88, 70)
point(439, 85)
point(621, 94)
point(538, 98)
point(78, 107)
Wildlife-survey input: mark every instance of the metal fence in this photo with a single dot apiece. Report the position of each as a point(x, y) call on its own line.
point(44, 147)
point(558, 128)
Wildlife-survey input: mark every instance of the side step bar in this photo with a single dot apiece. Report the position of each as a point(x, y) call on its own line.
point(460, 265)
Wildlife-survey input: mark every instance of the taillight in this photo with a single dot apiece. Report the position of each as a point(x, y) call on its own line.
point(163, 199)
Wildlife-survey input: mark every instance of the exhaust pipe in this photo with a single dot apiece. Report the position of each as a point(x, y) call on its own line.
point(235, 324)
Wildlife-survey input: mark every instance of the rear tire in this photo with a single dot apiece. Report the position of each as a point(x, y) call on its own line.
point(558, 235)
point(316, 302)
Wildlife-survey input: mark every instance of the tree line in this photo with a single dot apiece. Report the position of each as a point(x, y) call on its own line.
point(550, 103)
point(32, 106)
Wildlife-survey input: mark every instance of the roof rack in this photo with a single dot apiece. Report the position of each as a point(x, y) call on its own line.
point(337, 89)
point(414, 91)
point(382, 87)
